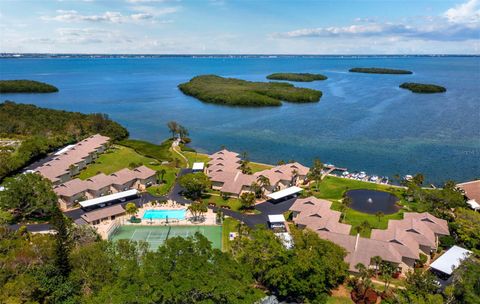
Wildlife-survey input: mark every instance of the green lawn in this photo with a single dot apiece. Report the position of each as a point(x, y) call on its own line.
point(356, 218)
point(256, 167)
point(333, 188)
point(195, 157)
point(160, 152)
point(229, 225)
point(120, 157)
point(168, 181)
point(233, 203)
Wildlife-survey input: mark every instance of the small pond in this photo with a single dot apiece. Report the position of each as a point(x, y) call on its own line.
point(372, 201)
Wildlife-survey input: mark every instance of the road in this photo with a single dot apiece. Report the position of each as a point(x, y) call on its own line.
point(175, 194)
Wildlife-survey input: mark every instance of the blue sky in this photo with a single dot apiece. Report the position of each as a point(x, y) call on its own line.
point(241, 27)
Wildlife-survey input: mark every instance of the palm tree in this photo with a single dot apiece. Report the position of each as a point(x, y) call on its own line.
point(173, 127)
point(315, 172)
point(257, 189)
point(379, 215)
point(131, 208)
point(343, 211)
point(294, 177)
point(365, 225)
point(244, 164)
point(182, 132)
point(377, 260)
point(387, 271)
point(264, 182)
point(346, 202)
point(161, 174)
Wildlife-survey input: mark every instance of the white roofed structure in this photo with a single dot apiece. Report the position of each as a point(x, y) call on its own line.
point(108, 198)
point(198, 166)
point(285, 192)
point(450, 260)
point(276, 218)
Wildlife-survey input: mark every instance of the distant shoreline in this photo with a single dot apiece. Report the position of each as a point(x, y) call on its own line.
point(273, 56)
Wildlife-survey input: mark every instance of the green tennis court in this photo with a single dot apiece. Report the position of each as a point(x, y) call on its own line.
point(156, 235)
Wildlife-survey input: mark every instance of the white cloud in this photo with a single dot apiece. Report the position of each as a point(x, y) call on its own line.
point(90, 36)
point(143, 13)
point(156, 11)
point(457, 24)
point(464, 13)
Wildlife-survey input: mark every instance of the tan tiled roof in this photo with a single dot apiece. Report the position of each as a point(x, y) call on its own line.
point(283, 172)
point(402, 238)
point(101, 180)
point(103, 213)
point(60, 165)
point(224, 153)
point(471, 189)
point(71, 187)
point(435, 224)
point(233, 182)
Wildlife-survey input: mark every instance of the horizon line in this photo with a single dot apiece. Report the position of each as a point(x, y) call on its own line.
point(234, 54)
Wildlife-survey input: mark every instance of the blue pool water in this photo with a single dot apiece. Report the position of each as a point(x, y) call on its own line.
point(364, 122)
point(164, 214)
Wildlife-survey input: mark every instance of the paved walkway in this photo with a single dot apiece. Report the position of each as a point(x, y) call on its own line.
point(175, 145)
point(266, 208)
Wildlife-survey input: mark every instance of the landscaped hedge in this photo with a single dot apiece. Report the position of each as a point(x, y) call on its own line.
point(237, 92)
point(26, 86)
point(423, 88)
point(379, 71)
point(301, 77)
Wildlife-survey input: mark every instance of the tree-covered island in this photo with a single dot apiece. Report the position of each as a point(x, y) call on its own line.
point(379, 71)
point(300, 77)
point(423, 88)
point(237, 92)
point(26, 86)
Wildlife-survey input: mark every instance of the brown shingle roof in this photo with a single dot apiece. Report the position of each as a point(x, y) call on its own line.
point(103, 213)
point(283, 172)
point(101, 180)
point(471, 189)
point(60, 165)
point(401, 239)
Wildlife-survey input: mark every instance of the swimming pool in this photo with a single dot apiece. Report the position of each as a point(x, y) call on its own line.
point(164, 214)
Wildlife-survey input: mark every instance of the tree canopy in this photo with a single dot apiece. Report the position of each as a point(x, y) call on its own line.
point(43, 130)
point(194, 184)
point(237, 92)
point(379, 71)
point(28, 196)
point(26, 86)
point(301, 77)
point(306, 273)
point(183, 270)
point(422, 87)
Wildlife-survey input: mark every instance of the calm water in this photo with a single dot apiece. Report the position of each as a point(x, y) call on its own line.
point(363, 121)
point(164, 214)
point(371, 201)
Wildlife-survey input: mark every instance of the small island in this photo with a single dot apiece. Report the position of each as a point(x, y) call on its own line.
point(379, 71)
point(26, 86)
point(300, 77)
point(423, 88)
point(237, 92)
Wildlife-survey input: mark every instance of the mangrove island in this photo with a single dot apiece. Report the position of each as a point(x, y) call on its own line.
point(237, 92)
point(26, 86)
point(379, 71)
point(423, 88)
point(300, 77)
